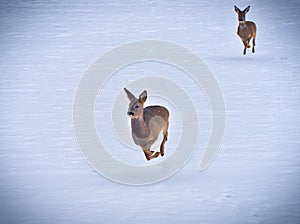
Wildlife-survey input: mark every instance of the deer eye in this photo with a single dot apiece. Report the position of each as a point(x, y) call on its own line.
point(136, 107)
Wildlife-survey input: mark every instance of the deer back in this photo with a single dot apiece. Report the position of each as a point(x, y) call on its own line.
point(155, 111)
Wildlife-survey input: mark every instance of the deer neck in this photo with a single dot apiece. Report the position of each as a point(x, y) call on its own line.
point(139, 127)
point(242, 25)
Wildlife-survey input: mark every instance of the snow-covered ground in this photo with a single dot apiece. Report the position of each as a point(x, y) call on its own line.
point(47, 47)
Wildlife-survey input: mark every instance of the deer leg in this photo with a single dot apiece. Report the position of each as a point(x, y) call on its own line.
point(162, 146)
point(147, 154)
point(253, 45)
point(245, 46)
point(248, 41)
point(154, 155)
point(150, 154)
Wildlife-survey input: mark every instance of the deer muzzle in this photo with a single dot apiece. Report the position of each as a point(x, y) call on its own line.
point(130, 113)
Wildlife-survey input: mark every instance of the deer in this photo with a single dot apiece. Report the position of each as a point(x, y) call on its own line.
point(246, 29)
point(147, 123)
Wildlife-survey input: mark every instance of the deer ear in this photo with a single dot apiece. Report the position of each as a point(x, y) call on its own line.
point(129, 95)
point(143, 96)
point(247, 9)
point(236, 9)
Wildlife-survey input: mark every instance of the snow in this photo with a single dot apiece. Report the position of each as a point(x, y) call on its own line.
point(46, 47)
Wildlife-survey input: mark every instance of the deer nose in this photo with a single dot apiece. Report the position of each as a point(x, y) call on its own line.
point(130, 113)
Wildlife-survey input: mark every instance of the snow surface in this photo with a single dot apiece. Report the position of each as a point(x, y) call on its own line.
point(46, 47)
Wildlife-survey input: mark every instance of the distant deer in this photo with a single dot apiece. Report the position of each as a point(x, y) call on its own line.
point(246, 29)
point(147, 123)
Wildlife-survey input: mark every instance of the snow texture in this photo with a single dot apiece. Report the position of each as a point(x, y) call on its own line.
point(46, 47)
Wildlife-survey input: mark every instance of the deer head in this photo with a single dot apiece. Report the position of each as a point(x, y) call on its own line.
point(136, 105)
point(241, 14)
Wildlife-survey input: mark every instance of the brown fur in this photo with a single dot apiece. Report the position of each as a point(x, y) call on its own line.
point(147, 123)
point(246, 29)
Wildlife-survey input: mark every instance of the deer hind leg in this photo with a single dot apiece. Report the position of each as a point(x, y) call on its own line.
point(253, 45)
point(162, 145)
point(150, 154)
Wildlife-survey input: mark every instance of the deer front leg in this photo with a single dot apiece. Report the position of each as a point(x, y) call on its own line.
point(245, 46)
point(248, 41)
point(244, 52)
point(150, 154)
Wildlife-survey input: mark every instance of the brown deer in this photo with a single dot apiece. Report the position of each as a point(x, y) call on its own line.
point(246, 29)
point(147, 123)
